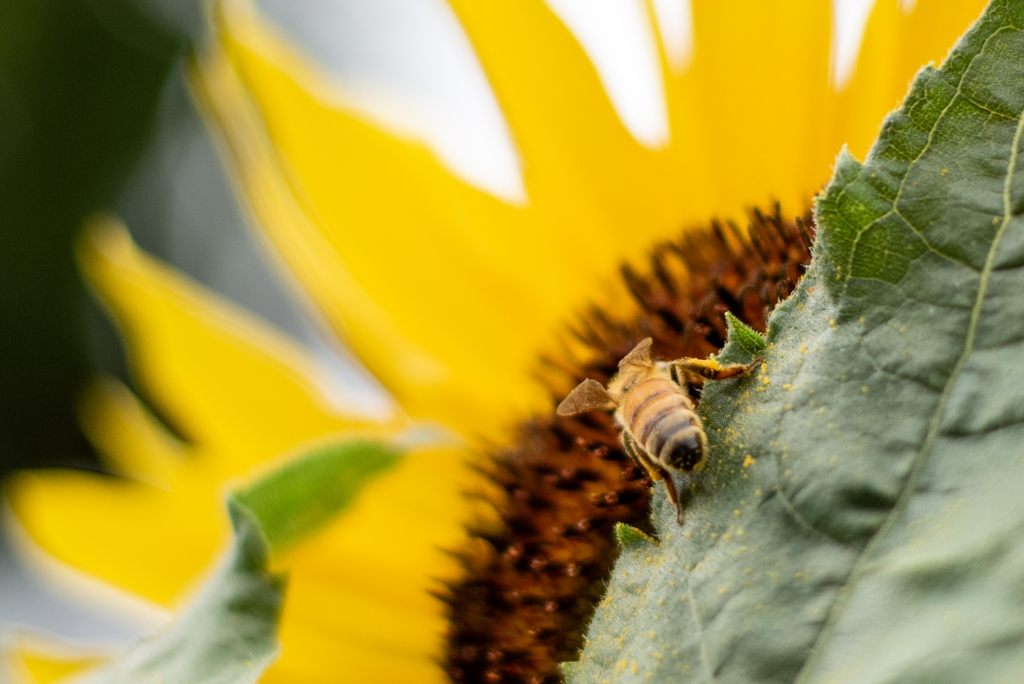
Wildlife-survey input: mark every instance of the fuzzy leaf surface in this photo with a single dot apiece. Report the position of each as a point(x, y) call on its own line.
point(228, 632)
point(861, 518)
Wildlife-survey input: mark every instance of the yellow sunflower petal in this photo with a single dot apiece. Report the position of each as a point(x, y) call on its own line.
point(579, 158)
point(896, 45)
point(372, 224)
point(225, 378)
point(759, 88)
point(379, 305)
point(358, 601)
point(35, 660)
point(240, 392)
point(135, 536)
point(132, 441)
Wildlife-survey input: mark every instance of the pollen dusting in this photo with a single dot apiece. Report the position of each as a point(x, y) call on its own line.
point(525, 600)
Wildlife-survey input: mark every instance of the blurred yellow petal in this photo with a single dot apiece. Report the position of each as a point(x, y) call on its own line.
point(459, 295)
point(132, 441)
point(759, 90)
point(358, 602)
point(143, 539)
point(228, 379)
point(241, 393)
point(35, 660)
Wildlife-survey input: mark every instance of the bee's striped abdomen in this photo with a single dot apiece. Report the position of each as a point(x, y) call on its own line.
point(663, 421)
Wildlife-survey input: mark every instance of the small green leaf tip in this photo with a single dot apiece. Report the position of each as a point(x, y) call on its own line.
point(227, 634)
point(859, 517)
point(311, 488)
point(630, 536)
point(743, 337)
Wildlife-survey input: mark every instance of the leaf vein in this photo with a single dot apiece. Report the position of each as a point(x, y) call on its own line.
point(862, 566)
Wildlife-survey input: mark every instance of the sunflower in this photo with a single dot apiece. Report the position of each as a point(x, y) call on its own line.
point(448, 294)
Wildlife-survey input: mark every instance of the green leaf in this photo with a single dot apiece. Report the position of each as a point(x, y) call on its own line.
point(309, 489)
point(228, 632)
point(743, 338)
point(630, 537)
point(861, 517)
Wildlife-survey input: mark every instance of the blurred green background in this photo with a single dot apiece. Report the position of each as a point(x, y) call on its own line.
point(79, 87)
point(95, 115)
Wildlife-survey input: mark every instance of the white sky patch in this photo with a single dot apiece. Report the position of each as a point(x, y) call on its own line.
point(618, 38)
point(675, 23)
point(849, 21)
point(409, 65)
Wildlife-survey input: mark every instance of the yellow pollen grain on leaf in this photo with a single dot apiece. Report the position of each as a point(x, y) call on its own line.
point(757, 492)
point(661, 601)
point(748, 461)
point(736, 512)
point(658, 656)
point(726, 536)
point(787, 387)
point(632, 667)
point(739, 532)
point(722, 590)
point(803, 349)
point(943, 172)
point(766, 380)
point(748, 570)
point(864, 389)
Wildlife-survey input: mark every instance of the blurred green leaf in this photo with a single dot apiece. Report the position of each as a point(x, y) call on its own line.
point(79, 85)
point(228, 632)
point(311, 488)
point(861, 517)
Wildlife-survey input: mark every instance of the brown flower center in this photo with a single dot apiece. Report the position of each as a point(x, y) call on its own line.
point(524, 604)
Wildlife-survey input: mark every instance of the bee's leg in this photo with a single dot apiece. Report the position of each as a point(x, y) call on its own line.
point(639, 456)
point(708, 369)
point(655, 470)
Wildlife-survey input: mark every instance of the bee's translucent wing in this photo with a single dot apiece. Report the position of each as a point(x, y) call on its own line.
point(640, 356)
point(589, 395)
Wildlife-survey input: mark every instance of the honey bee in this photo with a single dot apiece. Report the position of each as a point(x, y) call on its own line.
point(658, 425)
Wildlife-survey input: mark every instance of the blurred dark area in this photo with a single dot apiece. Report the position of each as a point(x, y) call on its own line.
point(80, 82)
